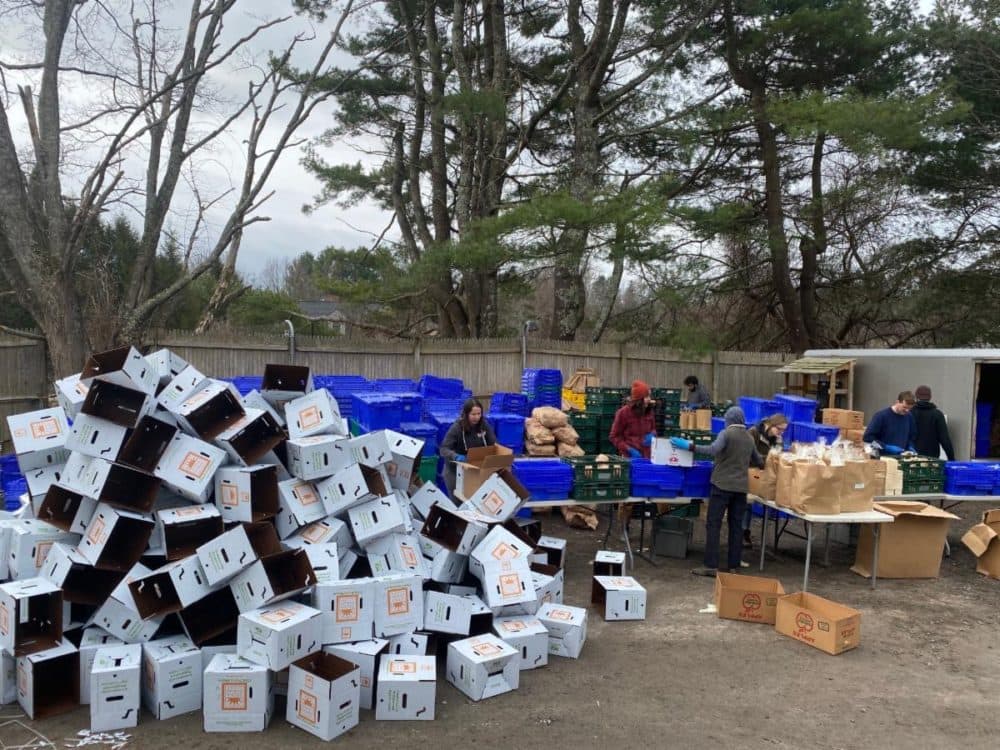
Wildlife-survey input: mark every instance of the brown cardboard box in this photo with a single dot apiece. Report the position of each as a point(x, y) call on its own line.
point(981, 541)
point(479, 465)
point(857, 489)
point(747, 598)
point(888, 478)
point(909, 547)
point(854, 435)
point(823, 624)
point(851, 420)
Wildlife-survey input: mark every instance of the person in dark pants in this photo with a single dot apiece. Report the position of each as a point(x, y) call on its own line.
point(734, 454)
point(470, 430)
point(932, 429)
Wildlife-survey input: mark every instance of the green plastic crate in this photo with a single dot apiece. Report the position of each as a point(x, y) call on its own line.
point(921, 486)
point(355, 428)
point(597, 491)
point(428, 468)
point(916, 469)
point(587, 469)
point(584, 421)
point(666, 395)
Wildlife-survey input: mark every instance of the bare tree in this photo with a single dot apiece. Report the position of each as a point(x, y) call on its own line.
point(153, 111)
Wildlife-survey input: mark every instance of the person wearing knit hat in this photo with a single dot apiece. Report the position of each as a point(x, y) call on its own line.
point(634, 427)
point(734, 453)
point(932, 429)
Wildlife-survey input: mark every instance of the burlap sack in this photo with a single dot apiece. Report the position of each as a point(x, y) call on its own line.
point(816, 488)
point(858, 483)
point(540, 450)
point(566, 435)
point(580, 517)
point(569, 451)
point(763, 482)
point(550, 416)
point(537, 433)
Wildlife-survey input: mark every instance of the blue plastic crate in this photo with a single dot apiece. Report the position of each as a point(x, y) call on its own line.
point(508, 427)
point(984, 422)
point(796, 408)
point(411, 404)
point(447, 407)
point(984, 447)
point(509, 403)
point(433, 386)
point(718, 425)
point(544, 478)
point(653, 490)
point(395, 385)
point(422, 431)
point(811, 432)
point(755, 409)
point(376, 411)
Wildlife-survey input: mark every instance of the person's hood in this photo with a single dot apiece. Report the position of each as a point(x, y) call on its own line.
point(924, 405)
point(734, 415)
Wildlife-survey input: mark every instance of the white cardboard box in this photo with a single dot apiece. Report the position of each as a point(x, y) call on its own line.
point(173, 667)
point(48, 682)
point(114, 688)
point(237, 695)
point(276, 635)
point(283, 383)
point(131, 532)
point(348, 612)
point(170, 588)
point(396, 553)
point(498, 548)
point(247, 493)
point(399, 604)
point(81, 582)
point(351, 486)
point(376, 518)
point(608, 563)
point(91, 640)
point(427, 496)
point(300, 504)
point(254, 400)
point(619, 598)
point(457, 530)
point(325, 561)
point(39, 438)
point(119, 615)
point(123, 366)
point(28, 544)
point(31, 616)
point(209, 410)
point(371, 449)
point(548, 589)
point(8, 678)
point(315, 413)
point(406, 688)
point(166, 365)
point(251, 437)
point(226, 555)
point(567, 628)
point(329, 529)
point(40, 480)
point(554, 550)
point(123, 405)
point(665, 454)
point(506, 583)
point(272, 578)
point(528, 636)
point(181, 387)
point(410, 644)
point(366, 655)
point(407, 453)
point(188, 466)
point(499, 497)
point(448, 566)
point(483, 666)
point(180, 531)
point(70, 394)
point(459, 615)
point(318, 456)
point(324, 695)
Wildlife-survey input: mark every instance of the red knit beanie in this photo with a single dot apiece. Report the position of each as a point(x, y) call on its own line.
point(639, 390)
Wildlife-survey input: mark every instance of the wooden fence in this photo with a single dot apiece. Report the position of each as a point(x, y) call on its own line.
point(23, 380)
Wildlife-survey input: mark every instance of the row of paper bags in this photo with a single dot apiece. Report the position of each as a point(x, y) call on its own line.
point(815, 486)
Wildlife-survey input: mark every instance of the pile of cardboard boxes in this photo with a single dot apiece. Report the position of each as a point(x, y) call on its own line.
point(188, 549)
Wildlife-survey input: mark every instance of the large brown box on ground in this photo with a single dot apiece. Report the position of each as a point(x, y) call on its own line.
point(747, 598)
point(823, 624)
point(910, 547)
point(982, 541)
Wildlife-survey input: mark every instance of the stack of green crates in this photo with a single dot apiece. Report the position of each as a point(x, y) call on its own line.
point(588, 426)
point(921, 474)
point(602, 403)
point(607, 479)
point(668, 408)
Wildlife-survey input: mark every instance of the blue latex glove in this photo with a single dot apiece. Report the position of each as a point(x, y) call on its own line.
point(680, 443)
point(891, 450)
point(634, 453)
point(459, 456)
point(648, 440)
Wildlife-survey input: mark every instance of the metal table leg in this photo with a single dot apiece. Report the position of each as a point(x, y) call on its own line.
point(612, 512)
point(876, 532)
point(628, 547)
point(826, 548)
point(809, 547)
point(763, 535)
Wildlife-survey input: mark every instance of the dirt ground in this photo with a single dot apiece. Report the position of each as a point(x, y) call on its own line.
point(927, 674)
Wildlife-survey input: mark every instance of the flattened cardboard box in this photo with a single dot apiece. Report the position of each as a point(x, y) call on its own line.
point(238, 695)
point(747, 598)
point(620, 598)
point(406, 688)
point(48, 682)
point(324, 695)
point(819, 622)
point(483, 666)
point(910, 547)
point(981, 541)
point(278, 634)
point(173, 677)
point(114, 688)
point(528, 636)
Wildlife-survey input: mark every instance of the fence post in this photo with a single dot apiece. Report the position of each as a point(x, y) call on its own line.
point(416, 359)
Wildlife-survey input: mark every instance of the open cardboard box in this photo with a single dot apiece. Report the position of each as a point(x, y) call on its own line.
point(981, 541)
point(909, 547)
point(479, 465)
point(747, 598)
point(823, 624)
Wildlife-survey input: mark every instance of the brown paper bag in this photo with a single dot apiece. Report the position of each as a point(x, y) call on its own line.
point(703, 419)
point(687, 420)
point(763, 482)
point(783, 489)
point(816, 488)
point(858, 482)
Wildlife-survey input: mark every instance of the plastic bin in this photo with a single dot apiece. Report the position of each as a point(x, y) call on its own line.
point(812, 432)
point(796, 408)
point(377, 411)
point(432, 386)
point(509, 403)
point(395, 385)
point(756, 409)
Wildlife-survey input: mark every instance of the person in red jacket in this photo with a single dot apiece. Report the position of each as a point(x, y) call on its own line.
point(635, 424)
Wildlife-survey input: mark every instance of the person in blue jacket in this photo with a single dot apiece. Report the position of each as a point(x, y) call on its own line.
point(894, 427)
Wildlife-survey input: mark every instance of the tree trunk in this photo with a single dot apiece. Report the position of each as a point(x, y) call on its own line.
point(812, 247)
point(64, 334)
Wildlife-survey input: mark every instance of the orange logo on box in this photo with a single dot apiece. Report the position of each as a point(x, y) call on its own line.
point(510, 584)
point(391, 468)
point(235, 696)
point(4, 619)
point(348, 607)
point(96, 533)
point(561, 614)
point(41, 552)
point(513, 626)
point(751, 602)
point(504, 551)
point(346, 634)
point(310, 417)
point(45, 428)
point(622, 583)
point(409, 555)
point(184, 512)
point(304, 494)
point(277, 615)
point(308, 708)
point(804, 621)
point(308, 681)
point(486, 649)
point(195, 465)
point(398, 600)
point(314, 534)
point(402, 667)
point(230, 496)
point(493, 503)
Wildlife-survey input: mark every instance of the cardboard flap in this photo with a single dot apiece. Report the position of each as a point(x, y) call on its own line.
point(491, 457)
point(992, 517)
point(896, 508)
point(978, 539)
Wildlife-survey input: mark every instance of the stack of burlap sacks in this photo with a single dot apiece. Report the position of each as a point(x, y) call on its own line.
point(825, 480)
point(547, 432)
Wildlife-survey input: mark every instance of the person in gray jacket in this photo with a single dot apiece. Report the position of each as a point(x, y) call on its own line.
point(698, 396)
point(470, 430)
point(734, 454)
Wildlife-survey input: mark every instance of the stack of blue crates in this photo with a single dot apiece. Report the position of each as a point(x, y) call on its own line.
point(395, 385)
point(509, 429)
point(509, 403)
point(422, 431)
point(653, 480)
point(431, 386)
point(342, 388)
point(984, 423)
point(796, 408)
point(756, 409)
point(12, 482)
point(971, 478)
point(376, 411)
point(811, 432)
point(411, 404)
point(697, 480)
point(542, 387)
point(544, 478)
point(245, 383)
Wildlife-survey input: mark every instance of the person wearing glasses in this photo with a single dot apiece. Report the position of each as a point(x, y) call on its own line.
point(767, 435)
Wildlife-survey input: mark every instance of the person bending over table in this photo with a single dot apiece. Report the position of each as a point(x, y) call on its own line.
point(767, 435)
point(893, 427)
point(634, 427)
point(470, 430)
point(734, 454)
